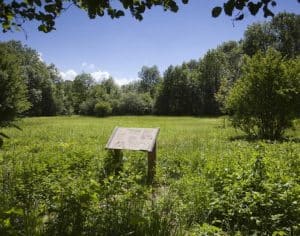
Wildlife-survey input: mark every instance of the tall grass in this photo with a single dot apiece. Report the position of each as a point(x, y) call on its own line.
point(210, 180)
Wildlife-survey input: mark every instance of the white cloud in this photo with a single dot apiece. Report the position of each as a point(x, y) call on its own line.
point(84, 64)
point(68, 75)
point(100, 75)
point(122, 81)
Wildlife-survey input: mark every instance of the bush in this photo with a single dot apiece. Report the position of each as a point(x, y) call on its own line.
point(87, 107)
point(102, 109)
point(136, 104)
point(265, 100)
point(115, 105)
point(260, 203)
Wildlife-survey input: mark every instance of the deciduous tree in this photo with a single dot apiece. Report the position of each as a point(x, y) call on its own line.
point(267, 97)
point(150, 78)
point(282, 33)
point(13, 99)
point(81, 85)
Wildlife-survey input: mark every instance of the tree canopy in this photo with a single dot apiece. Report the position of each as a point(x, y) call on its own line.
point(282, 33)
point(14, 13)
point(150, 77)
point(12, 91)
point(265, 100)
point(30, 87)
point(13, 99)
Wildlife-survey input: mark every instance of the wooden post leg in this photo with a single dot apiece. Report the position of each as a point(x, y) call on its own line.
point(151, 165)
point(118, 160)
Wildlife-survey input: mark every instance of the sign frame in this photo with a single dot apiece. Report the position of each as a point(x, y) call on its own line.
point(124, 133)
point(124, 143)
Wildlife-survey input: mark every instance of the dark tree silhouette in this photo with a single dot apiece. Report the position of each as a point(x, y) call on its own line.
point(14, 13)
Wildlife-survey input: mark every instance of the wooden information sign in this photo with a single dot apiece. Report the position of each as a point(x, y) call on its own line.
point(138, 139)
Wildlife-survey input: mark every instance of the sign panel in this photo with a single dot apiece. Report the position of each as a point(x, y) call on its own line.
point(139, 139)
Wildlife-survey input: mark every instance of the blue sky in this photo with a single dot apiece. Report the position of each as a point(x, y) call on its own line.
point(122, 46)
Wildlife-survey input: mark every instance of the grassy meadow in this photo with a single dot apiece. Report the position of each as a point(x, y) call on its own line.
point(56, 178)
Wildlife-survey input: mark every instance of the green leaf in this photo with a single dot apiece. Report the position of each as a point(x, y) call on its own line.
point(43, 28)
point(253, 8)
point(139, 17)
point(216, 11)
point(100, 12)
point(7, 223)
point(173, 6)
point(50, 8)
point(267, 12)
point(119, 14)
point(240, 17)
point(228, 7)
point(15, 211)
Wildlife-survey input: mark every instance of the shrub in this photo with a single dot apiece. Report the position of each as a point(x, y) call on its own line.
point(115, 104)
point(136, 104)
point(87, 107)
point(102, 109)
point(265, 100)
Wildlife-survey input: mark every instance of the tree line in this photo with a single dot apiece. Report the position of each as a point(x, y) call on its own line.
point(30, 87)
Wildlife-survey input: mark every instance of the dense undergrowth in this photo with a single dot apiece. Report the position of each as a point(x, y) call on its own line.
point(54, 180)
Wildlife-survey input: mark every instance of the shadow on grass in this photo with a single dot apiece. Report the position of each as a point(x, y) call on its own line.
point(292, 139)
point(244, 138)
point(255, 139)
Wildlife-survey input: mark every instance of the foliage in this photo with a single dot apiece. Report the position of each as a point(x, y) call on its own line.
point(196, 87)
point(208, 181)
point(113, 162)
point(110, 88)
point(213, 68)
point(42, 81)
point(285, 27)
point(87, 107)
point(102, 109)
point(281, 33)
point(150, 78)
point(11, 83)
point(80, 88)
point(133, 86)
point(190, 89)
point(222, 94)
point(135, 104)
point(13, 14)
point(230, 71)
point(253, 6)
point(267, 97)
point(179, 93)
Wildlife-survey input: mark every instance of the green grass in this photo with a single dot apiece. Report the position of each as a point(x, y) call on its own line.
point(54, 180)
